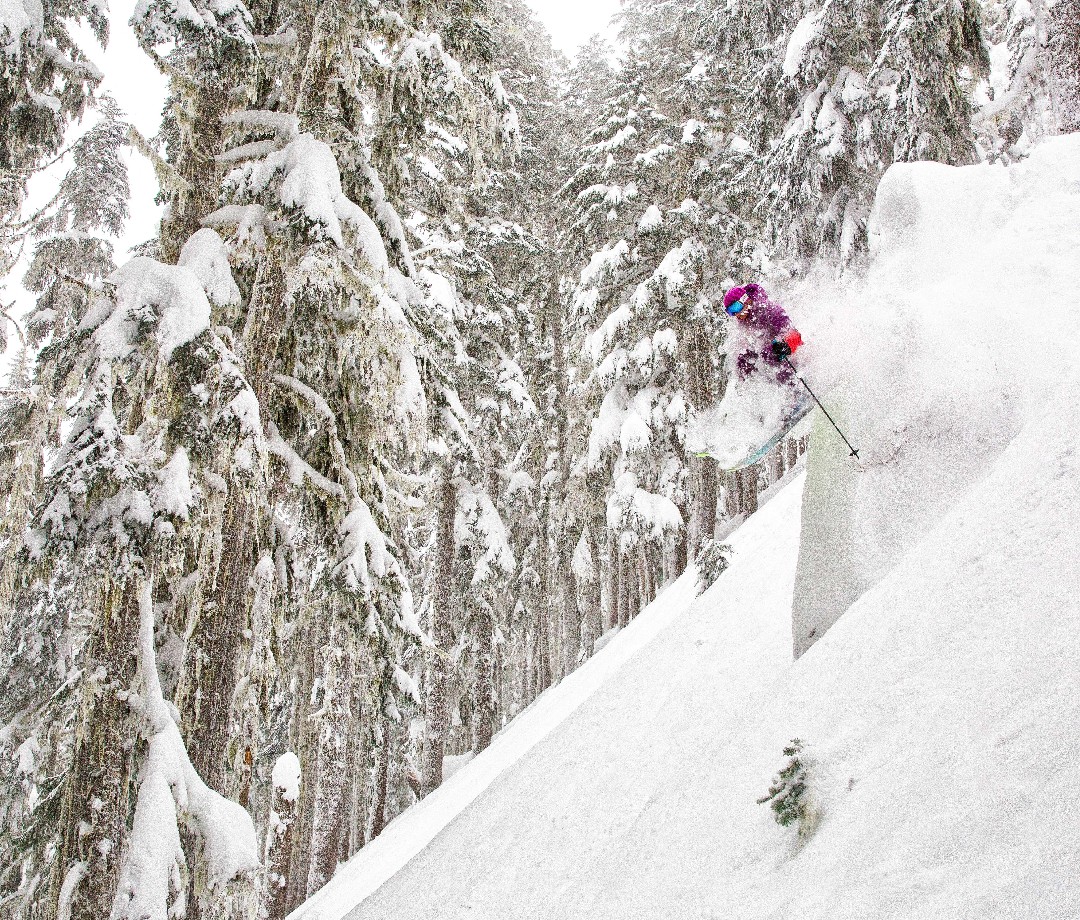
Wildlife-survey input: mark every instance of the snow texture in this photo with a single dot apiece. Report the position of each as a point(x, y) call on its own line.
point(408, 834)
point(306, 177)
point(364, 549)
point(172, 295)
point(286, 776)
point(804, 33)
point(632, 507)
point(751, 412)
point(173, 494)
point(477, 523)
point(162, 21)
point(935, 718)
point(206, 255)
point(650, 220)
point(19, 19)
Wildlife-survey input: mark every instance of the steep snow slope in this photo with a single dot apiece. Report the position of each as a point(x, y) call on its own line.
point(634, 699)
point(467, 778)
point(934, 360)
point(941, 712)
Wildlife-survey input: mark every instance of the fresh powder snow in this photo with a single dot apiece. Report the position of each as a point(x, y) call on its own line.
point(936, 713)
point(935, 362)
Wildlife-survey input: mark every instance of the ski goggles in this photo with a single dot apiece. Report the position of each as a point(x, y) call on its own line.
point(736, 306)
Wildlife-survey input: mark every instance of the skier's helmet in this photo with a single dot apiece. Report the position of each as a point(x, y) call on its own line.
point(735, 300)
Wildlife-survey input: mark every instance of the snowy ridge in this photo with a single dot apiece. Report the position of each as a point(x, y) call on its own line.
point(938, 716)
point(934, 361)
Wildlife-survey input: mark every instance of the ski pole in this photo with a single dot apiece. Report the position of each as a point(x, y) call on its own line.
point(854, 452)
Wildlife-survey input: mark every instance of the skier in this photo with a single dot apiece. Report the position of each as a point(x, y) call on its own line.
point(729, 431)
point(763, 332)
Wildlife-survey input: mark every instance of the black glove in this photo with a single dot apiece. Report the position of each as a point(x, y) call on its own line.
point(781, 349)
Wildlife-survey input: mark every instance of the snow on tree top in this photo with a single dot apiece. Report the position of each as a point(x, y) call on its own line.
point(205, 254)
point(286, 776)
point(651, 219)
point(173, 494)
point(365, 551)
point(604, 261)
point(306, 173)
point(598, 341)
point(159, 22)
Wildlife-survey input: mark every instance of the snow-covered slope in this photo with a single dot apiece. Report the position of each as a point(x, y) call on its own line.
point(935, 360)
point(940, 713)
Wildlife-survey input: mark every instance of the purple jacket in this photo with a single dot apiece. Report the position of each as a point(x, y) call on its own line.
point(764, 322)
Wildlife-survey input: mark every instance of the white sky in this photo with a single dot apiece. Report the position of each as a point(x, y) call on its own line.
point(571, 22)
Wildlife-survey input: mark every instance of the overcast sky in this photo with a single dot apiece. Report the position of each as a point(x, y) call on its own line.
point(571, 22)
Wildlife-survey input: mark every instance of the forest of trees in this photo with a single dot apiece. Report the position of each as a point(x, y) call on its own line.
point(384, 430)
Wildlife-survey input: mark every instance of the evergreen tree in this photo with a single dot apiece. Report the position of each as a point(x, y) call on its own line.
point(1064, 40)
point(46, 82)
point(896, 87)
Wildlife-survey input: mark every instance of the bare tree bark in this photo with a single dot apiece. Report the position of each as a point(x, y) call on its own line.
point(614, 591)
point(198, 166)
point(380, 818)
point(594, 614)
point(701, 391)
point(310, 636)
point(571, 613)
point(485, 710)
point(337, 659)
point(280, 837)
point(624, 589)
point(212, 665)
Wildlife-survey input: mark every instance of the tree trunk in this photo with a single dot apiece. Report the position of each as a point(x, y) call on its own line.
point(97, 791)
point(484, 712)
point(701, 391)
point(624, 590)
point(438, 702)
point(363, 759)
point(648, 578)
point(334, 723)
point(614, 591)
point(279, 846)
point(594, 614)
point(309, 640)
point(198, 165)
point(380, 818)
point(543, 606)
point(572, 633)
point(212, 665)
point(706, 504)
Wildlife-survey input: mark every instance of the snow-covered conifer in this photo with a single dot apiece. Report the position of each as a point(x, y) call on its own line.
point(862, 98)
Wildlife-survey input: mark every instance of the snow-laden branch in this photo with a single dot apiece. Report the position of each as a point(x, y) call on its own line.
point(151, 883)
point(298, 467)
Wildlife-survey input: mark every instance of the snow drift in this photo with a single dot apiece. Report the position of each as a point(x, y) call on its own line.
point(935, 360)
